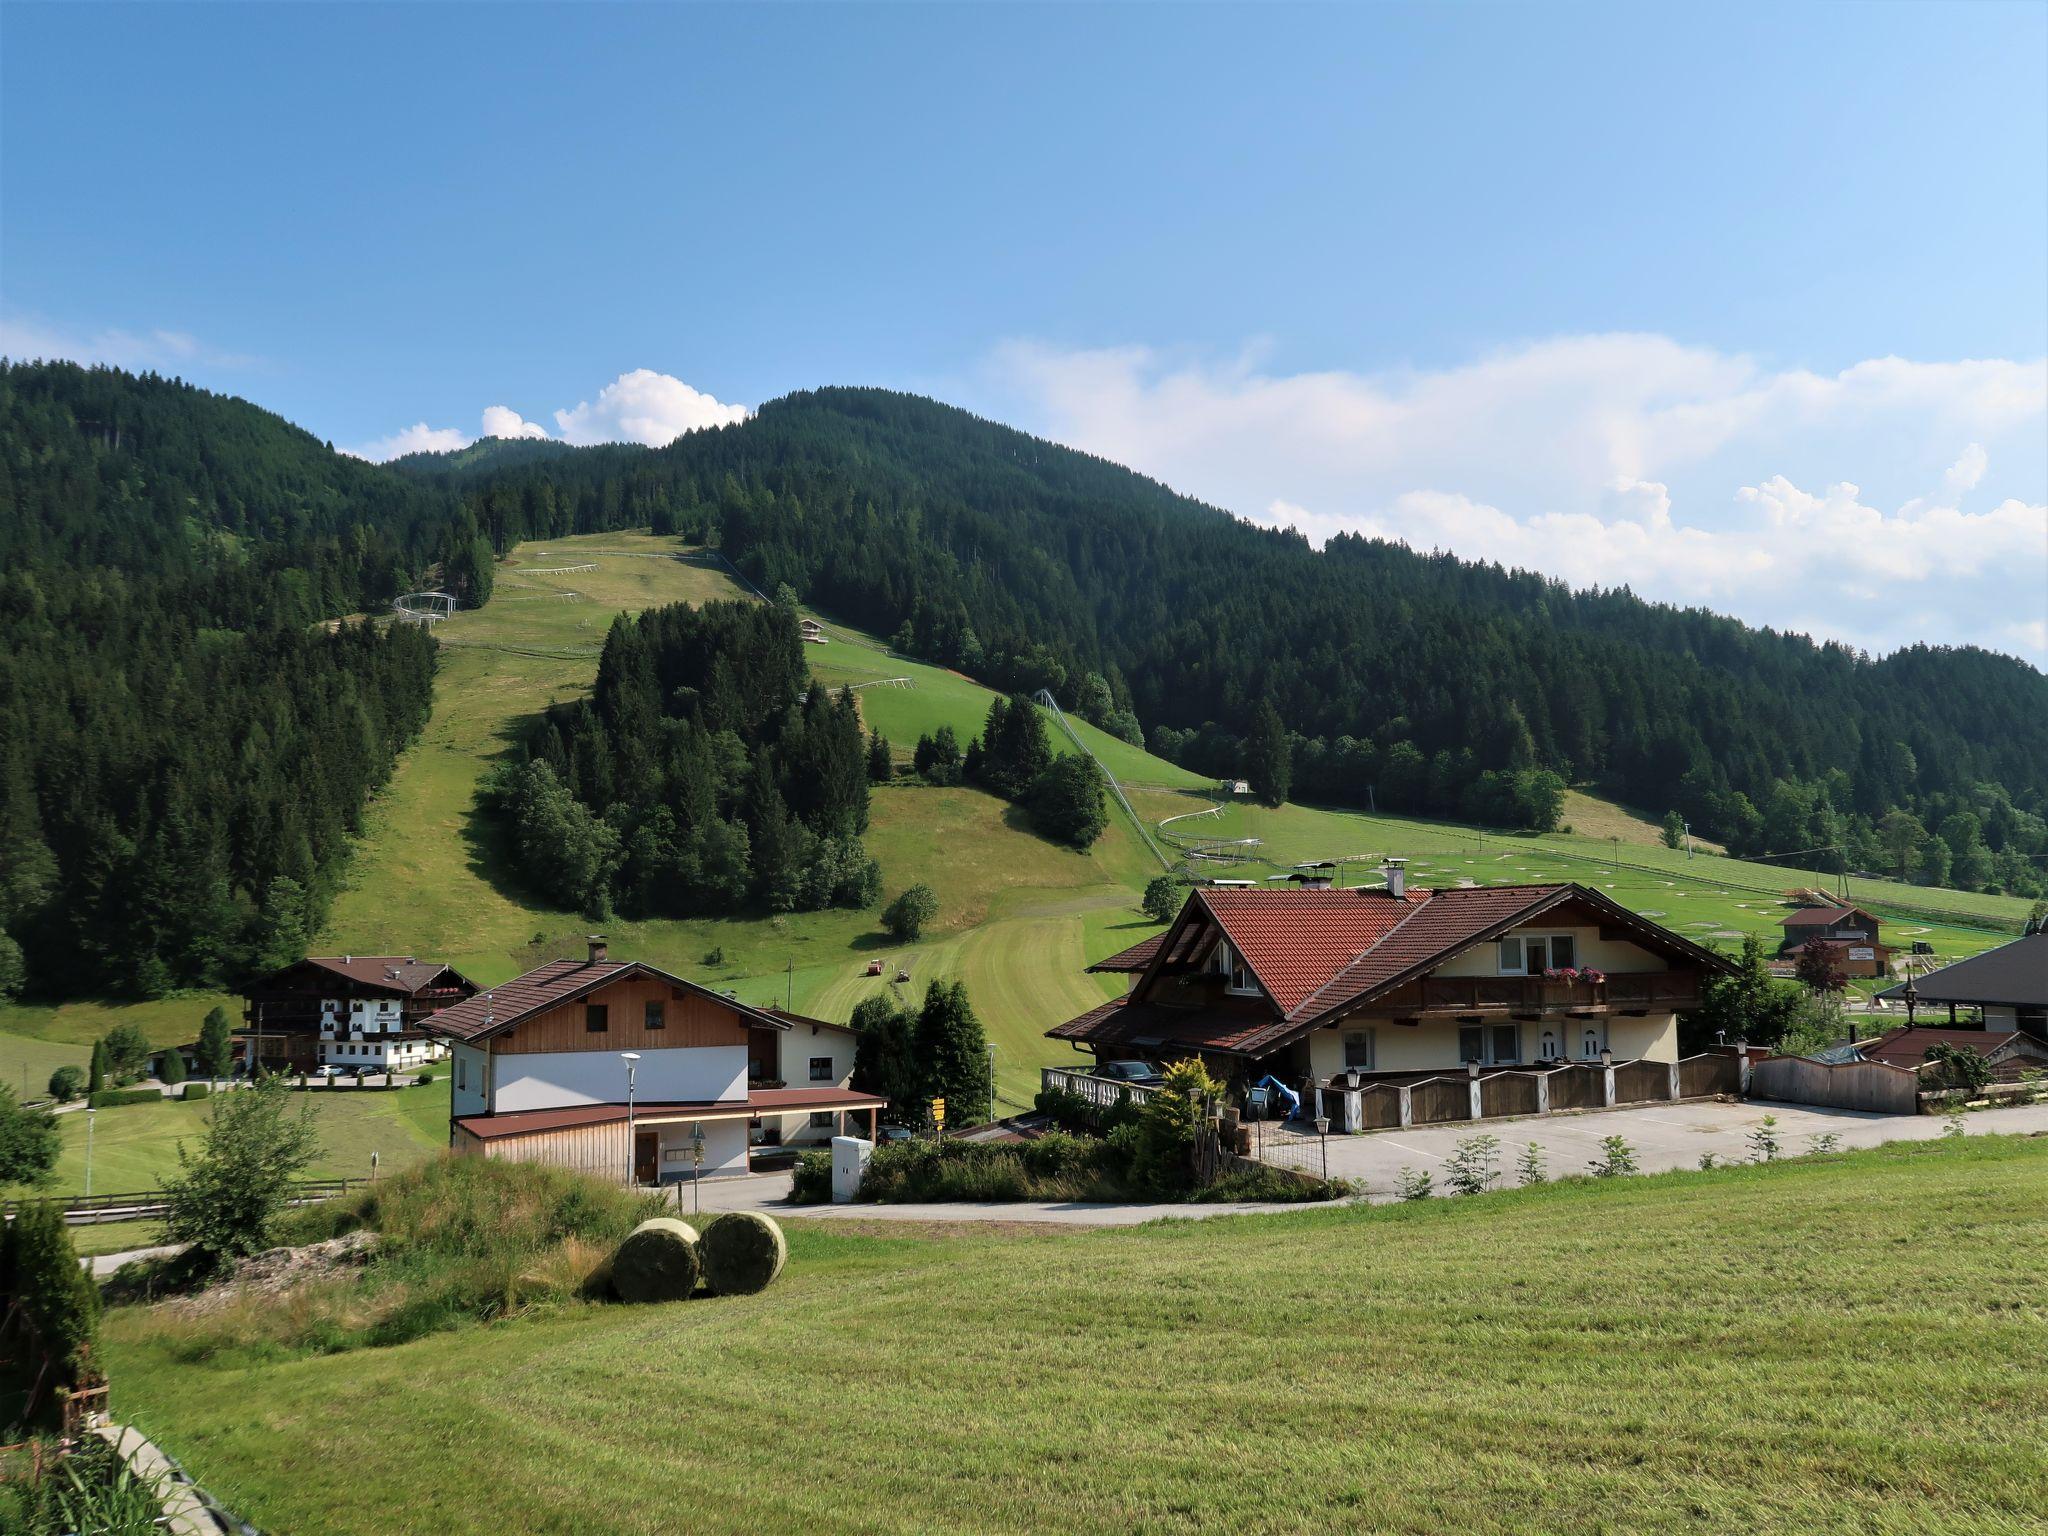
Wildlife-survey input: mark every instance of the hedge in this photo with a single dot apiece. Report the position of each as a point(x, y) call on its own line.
point(197, 1090)
point(106, 1098)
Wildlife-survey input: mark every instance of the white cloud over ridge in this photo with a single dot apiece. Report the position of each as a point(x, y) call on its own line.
point(1615, 460)
point(640, 406)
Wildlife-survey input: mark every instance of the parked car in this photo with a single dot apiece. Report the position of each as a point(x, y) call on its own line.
point(1143, 1073)
point(888, 1133)
point(325, 1069)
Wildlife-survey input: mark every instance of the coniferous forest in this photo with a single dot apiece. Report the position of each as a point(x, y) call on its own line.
point(1407, 682)
point(704, 773)
point(190, 725)
point(185, 745)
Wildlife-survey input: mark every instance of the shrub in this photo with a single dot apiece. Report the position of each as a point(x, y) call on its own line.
point(1959, 1066)
point(1529, 1167)
point(193, 1091)
point(1763, 1141)
point(1414, 1184)
point(225, 1200)
point(1168, 1123)
point(1258, 1182)
point(742, 1252)
point(1470, 1169)
point(127, 1052)
point(811, 1183)
point(38, 1266)
point(1164, 895)
point(658, 1261)
point(173, 1072)
point(107, 1098)
point(67, 1083)
point(1952, 1124)
point(216, 1043)
point(29, 1140)
point(1616, 1158)
point(906, 916)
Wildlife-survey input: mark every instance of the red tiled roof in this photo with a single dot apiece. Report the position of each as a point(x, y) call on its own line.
point(1136, 958)
point(1295, 941)
point(1320, 952)
point(760, 1101)
point(558, 982)
point(803, 1018)
point(400, 973)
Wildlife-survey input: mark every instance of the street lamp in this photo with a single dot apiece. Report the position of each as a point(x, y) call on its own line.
point(630, 1058)
point(89, 1113)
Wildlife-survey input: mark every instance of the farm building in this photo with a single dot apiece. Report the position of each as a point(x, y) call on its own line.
point(812, 631)
point(1849, 932)
point(348, 1010)
point(2009, 1052)
point(624, 1070)
point(2007, 985)
point(1311, 983)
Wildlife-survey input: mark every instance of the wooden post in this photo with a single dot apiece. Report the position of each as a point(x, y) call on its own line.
point(1472, 1088)
point(1542, 1093)
point(1607, 1076)
point(1407, 1106)
point(1674, 1082)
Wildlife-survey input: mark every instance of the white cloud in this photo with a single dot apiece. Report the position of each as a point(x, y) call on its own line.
point(26, 338)
point(644, 407)
point(417, 438)
point(1617, 459)
point(503, 421)
point(637, 407)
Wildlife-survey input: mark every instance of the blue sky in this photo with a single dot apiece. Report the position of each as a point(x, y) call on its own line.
point(1672, 296)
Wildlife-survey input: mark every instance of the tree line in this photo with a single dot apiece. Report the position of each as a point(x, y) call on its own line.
point(1419, 683)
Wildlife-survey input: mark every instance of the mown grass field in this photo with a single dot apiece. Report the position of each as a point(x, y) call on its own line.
point(1670, 1354)
point(135, 1146)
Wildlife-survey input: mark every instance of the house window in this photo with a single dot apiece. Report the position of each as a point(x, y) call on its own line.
point(821, 1069)
point(1489, 1045)
point(654, 1019)
point(1531, 954)
point(462, 1073)
point(1471, 1044)
point(1231, 964)
point(821, 1120)
point(596, 1018)
point(1358, 1050)
point(1506, 1044)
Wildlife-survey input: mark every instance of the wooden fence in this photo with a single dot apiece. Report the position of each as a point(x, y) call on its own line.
point(1578, 1086)
point(1440, 1098)
point(1866, 1085)
point(1701, 1077)
point(1386, 1103)
point(89, 1210)
point(1642, 1082)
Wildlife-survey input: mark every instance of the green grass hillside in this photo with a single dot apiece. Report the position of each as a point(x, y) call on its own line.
point(1672, 1354)
point(1018, 917)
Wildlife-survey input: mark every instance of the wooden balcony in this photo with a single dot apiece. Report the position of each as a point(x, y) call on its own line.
point(1625, 992)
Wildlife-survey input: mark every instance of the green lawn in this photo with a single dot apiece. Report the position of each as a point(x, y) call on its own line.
point(134, 1146)
point(115, 1237)
point(1853, 1344)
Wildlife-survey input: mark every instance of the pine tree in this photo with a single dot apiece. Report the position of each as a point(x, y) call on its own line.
point(953, 1051)
point(1269, 764)
point(216, 1044)
point(96, 1074)
point(173, 1072)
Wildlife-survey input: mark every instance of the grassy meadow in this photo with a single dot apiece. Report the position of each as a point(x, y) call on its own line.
point(135, 1146)
point(1672, 1353)
point(1018, 917)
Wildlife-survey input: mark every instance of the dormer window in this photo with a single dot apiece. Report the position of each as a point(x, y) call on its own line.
point(1531, 954)
point(1238, 978)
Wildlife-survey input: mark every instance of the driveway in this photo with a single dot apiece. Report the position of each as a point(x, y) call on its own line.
point(1664, 1136)
point(768, 1192)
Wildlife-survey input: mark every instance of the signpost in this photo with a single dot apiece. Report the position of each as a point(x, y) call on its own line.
point(696, 1169)
point(939, 1117)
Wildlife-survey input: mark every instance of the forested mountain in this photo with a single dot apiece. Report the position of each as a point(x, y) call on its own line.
point(704, 773)
point(184, 748)
point(1411, 682)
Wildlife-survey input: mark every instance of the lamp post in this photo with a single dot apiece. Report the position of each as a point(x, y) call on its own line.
point(89, 1113)
point(630, 1058)
point(1912, 999)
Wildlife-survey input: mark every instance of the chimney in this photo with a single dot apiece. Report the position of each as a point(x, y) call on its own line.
point(1396, 871)
point(597, 949)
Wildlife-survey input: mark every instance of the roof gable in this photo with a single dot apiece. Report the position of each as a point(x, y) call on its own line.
point(548, 986)
point(2014, 974)
point(1822, 917)
point(405, 974)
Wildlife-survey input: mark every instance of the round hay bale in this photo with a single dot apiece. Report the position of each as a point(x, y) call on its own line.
point(742, 1252)
point(658, 1261)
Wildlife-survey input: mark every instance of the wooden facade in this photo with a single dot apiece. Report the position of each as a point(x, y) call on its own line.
point(687, 1019)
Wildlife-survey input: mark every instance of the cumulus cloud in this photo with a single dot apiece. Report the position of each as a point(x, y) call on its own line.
point(644, 407)
point(417, 438)
point(1679, 471)
point(637, 407)
point(503, 421)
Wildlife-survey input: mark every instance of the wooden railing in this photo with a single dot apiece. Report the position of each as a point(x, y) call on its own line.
point(1518, 994)
point(88, 1210)
point(1103, 1092)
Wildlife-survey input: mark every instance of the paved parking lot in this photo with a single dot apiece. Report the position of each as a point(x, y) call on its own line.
point(1664, 1136)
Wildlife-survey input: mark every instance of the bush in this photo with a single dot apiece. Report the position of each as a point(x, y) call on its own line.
point(225, 1200)
point(1258, 1182)
point(67, 1083)
point(38, 1266)
point(658, 1261)
point(742, 1252)
point(1068, 803)
point(1071, 1112)
point(906, 916)
point(811, 1183)
point(127, 1052)
point(1164, 896)
point(193, 1091)
point(107, 1098)
point(1959, 1066)
point(173, 1072)
point(29, 1140)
